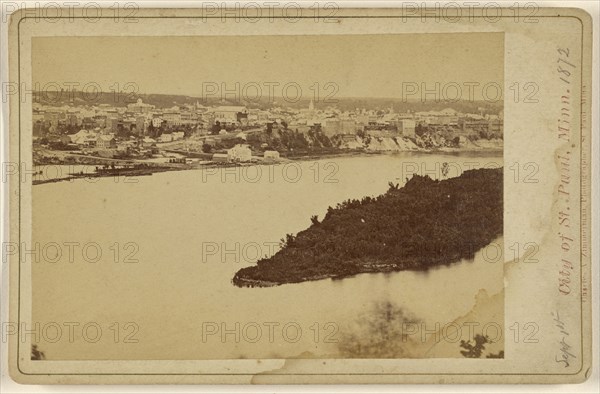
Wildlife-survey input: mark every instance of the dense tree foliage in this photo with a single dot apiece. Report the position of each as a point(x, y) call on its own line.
point(423, 224)
point(475, 350)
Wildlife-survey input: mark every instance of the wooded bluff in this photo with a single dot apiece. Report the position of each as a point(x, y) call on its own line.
point(424, 224)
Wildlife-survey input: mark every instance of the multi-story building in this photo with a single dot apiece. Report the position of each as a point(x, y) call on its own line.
point(106, 142)
point(334, 126)
point(406, 127)
point(140, 107)
point(188, 118)
point(230, 114)
point(157, 121)
point(172, 117)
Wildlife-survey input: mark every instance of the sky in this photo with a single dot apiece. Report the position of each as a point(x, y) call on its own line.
point(356, 65)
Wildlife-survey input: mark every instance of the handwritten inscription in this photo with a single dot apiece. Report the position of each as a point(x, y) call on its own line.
point(564, 354)
point(565, 69)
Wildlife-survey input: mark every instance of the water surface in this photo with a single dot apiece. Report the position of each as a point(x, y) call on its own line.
point(192, 230)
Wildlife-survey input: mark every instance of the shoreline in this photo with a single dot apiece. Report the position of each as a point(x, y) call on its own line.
point(364, 268)
point(147, 168)
point(369, 268)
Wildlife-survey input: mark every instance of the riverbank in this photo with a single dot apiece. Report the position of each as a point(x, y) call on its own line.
point(146, 168)
point(127, 172)
point(424, 224)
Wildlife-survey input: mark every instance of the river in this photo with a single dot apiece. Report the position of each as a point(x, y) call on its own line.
point(190, 231)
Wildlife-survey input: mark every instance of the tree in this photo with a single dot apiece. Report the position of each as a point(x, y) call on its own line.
point(151, 130)
point(379, 333)
point(36, 354)
point(445, 169)
point(413, 228)
point(474, 350)
point(216, 128)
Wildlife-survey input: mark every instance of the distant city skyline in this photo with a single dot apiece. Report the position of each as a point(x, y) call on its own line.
point(357, 66)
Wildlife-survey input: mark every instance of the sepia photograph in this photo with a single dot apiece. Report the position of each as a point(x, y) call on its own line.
point(197, 198)
point(348, 211)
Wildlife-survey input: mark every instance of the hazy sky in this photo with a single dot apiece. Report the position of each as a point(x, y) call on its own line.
point(361, 65)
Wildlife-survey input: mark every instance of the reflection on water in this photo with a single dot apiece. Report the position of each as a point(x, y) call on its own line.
point(190, 232)
point(379, 332)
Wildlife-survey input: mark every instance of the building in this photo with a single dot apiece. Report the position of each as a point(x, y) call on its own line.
point(220, 157)
point(105, 142)
point(95, 121)
point(448, 112)
point(347, 126)
point(468, 126)
point(165, 138)
point(89, 123)
point(230, 114)
point(140, 107)
point(188, 118)
point(172, 117)
point(239, 153)
point(334, 126)
point(496, 127)
point(157, 122)
point(178, 135)
point(88, 141)
point(84, 138)
point(406, 127)
point(81, 133)
point(51, 118)
point(129, 123)
point(331, 127)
